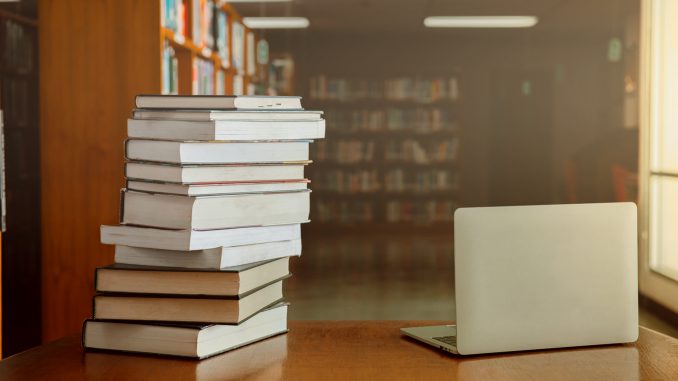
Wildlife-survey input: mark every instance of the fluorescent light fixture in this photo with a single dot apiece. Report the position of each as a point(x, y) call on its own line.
point(276, 22)
point(480, 21)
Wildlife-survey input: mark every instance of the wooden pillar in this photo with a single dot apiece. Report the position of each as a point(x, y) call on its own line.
point(95, 56)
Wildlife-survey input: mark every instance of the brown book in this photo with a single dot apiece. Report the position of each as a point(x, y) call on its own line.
point(182, 339)
point(180, 308)
point(229, 281)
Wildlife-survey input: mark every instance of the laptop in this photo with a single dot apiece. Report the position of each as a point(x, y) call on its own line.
point(539, 277)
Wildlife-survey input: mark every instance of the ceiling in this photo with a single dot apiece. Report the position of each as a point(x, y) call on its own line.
point(407, 15)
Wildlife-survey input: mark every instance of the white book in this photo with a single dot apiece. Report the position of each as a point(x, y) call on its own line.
point(219, 102)
point(207, 115)
point(216, 258)
point(216, 152)
point(182, 339)
point(214, 212)
point(185, 240)
point(226, 130)
point(192, 174)
point(216, 188)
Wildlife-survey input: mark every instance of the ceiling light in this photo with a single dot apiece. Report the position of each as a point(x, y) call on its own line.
point(276, 22)
point(480, 21)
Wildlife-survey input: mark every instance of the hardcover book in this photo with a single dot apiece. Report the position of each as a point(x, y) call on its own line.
point(190, 340)
point(229, 281)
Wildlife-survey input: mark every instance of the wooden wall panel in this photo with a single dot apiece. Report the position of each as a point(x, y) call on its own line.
point(95, 56)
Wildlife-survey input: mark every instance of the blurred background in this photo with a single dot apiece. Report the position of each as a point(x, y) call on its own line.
point(421, 120)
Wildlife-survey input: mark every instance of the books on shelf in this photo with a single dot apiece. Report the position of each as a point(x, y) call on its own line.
point(222, 39)
point(233, 130)
point(416, 151)
point(196, 21)
point(208, 259)
point(219, 50)
point(238, 43)
point(251, 54)
point(346, 151)
point(211, 152)
point(209, 220)
point(344, 211)
point(422, 182)
point(170, 71)
point(220, 86)
point(185, 340)
point(406, 150)
point(420, 212)
point(203, 77)
point(214, 212)
point(350, 181)
point(419, 90)
point(238, 85)
point(173, 16)
point(281, 75)
point(396, 153)
point(208, 23)
point(418, 120)
point(228, 281)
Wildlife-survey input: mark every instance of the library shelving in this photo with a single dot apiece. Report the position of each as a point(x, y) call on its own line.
point(206, 49)
point(391, 157)
point(20, 168)
point(95, 57)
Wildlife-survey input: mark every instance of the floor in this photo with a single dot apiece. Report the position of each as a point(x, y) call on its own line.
point(366, 277)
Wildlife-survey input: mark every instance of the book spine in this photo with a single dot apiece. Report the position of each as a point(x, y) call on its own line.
point(121, 211)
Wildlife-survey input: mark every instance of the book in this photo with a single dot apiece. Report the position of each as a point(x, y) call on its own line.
point(207, 115)
point(196, 13)
point(221, 102)
point(216, 152)
point(197, 174)
point(186, 340)
point(170, 70)
point(222, 38)
point(208, 259)
point(217, 188)
point(208, 26)
point(214, 212)
point(238, 46)
point(194, 309)
point(229, 130)
point(203, 77)
point(220, 85)
point(251, 54)
point(229, 281)
point(177, 239)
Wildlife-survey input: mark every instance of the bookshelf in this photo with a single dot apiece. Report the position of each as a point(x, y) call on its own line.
point(21, 175)
point(206, 49)
point(95, 56)
point(391, 157)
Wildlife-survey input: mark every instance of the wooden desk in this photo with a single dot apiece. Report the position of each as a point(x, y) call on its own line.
point(357, 350)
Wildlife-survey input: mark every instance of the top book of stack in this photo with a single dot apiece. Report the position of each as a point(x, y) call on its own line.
point(223, 118)
point(208, 102)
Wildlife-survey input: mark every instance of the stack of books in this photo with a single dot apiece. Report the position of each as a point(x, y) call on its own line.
point(208, 221)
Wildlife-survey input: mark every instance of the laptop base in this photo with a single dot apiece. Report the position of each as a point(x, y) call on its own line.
point(443, 337)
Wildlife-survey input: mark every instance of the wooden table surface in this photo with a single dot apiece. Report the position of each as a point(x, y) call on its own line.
point(352, 350)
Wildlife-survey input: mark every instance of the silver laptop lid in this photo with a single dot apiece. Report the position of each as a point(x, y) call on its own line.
point(534, 277)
